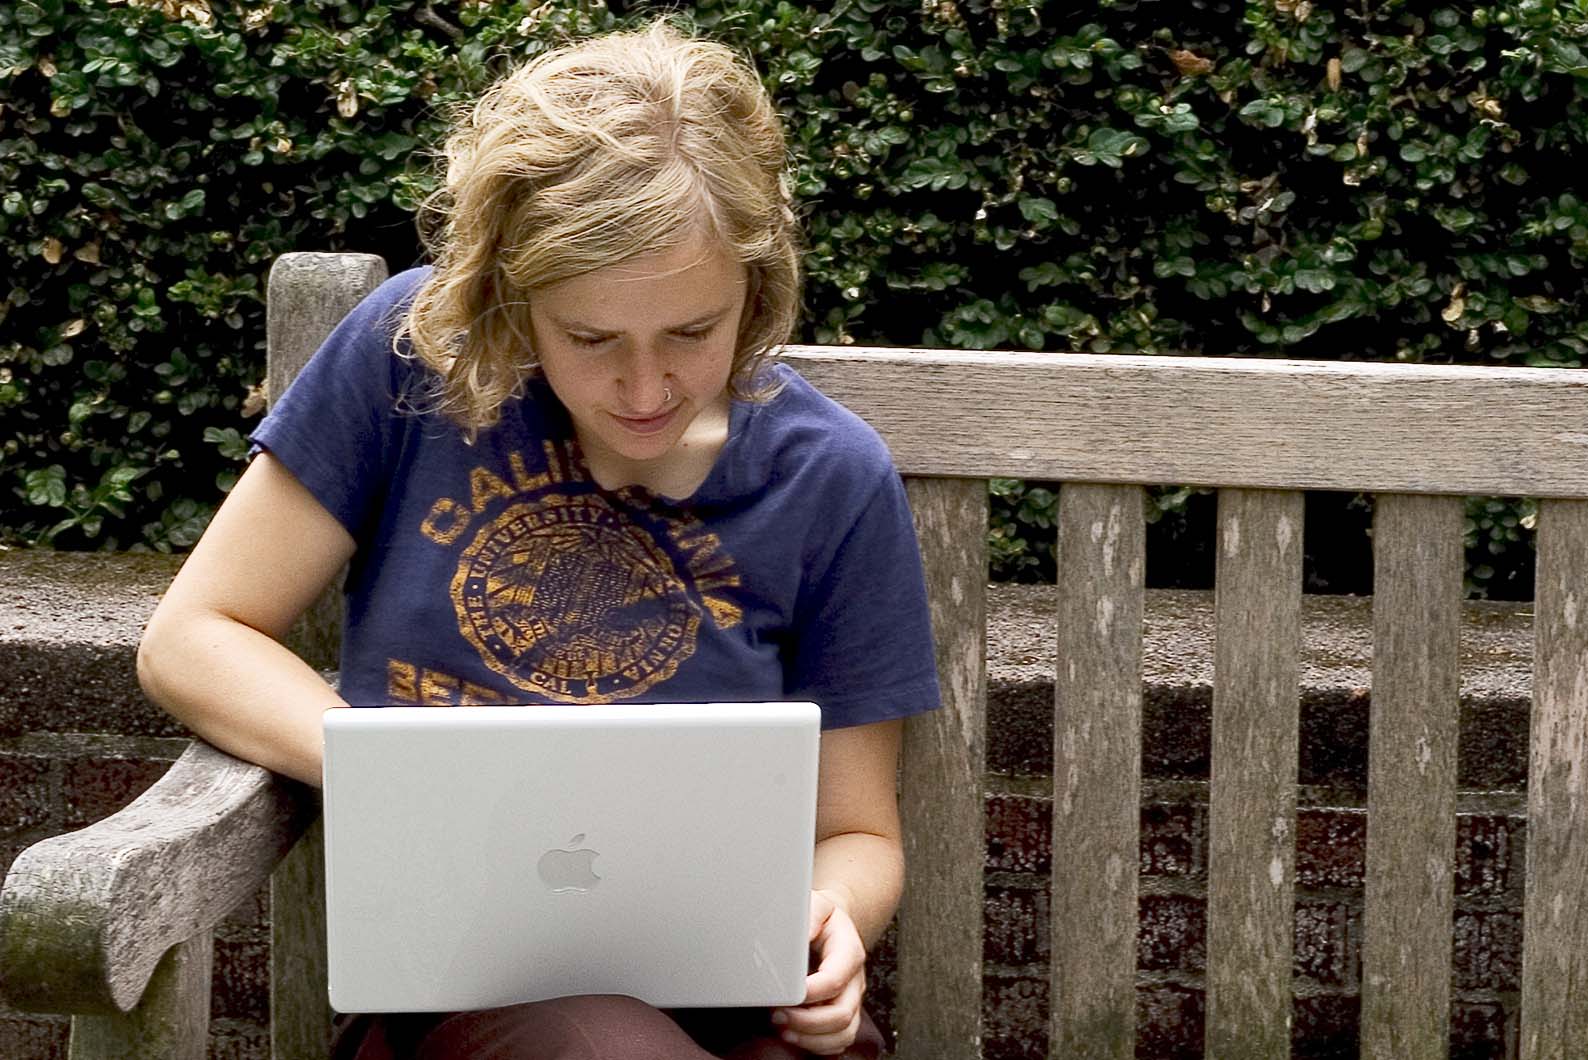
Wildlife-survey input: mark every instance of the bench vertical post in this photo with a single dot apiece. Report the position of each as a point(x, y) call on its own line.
point(300, 1016)
point(940, 921)
point(1409, 900)
point(171, 1020)
point(1097, 771)
point(308, 295)
point(1252, 794)
point(1555, 914)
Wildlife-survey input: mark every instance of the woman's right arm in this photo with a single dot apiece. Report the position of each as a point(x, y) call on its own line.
point(211, 654)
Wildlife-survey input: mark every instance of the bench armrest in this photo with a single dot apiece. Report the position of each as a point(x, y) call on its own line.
point(86, 916)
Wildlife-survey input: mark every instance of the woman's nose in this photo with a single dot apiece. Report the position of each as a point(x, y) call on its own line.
point(644, 383)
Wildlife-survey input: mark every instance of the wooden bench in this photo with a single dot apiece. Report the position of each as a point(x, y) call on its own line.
point(113, 923)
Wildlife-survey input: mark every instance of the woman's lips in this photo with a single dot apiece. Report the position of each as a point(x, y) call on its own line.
point(647, 424)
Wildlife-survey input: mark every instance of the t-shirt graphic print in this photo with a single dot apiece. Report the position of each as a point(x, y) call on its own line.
point(572, 593)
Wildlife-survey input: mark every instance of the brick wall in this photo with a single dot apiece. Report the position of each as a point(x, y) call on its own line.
point(1171, 946)
point(67, 648)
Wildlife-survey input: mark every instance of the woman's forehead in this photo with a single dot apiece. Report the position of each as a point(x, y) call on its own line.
point(679, 285)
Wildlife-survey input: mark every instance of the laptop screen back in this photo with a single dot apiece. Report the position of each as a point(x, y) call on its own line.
point(485, 856)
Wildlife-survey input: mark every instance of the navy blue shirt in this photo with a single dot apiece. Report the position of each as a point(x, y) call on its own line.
point(500, 572)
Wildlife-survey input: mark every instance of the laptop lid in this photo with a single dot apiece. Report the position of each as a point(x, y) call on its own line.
point(485, 856)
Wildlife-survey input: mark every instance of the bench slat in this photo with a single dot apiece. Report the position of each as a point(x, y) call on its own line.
point(1097, 771)
point(1555, 916)
point(1213, 421)
point(940, 922)
point(172, 1020)
point(1252, 797)
point(1411, 806)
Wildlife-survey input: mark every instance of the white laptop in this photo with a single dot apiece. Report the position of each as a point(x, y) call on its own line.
point(485, 856)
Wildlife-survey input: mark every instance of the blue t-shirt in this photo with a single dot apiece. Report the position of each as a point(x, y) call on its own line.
point(500, 572)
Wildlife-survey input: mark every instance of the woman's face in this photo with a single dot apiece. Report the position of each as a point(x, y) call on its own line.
point(638, 350)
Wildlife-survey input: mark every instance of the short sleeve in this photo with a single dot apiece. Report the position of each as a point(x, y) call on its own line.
point(335, 426)
point(863, 638)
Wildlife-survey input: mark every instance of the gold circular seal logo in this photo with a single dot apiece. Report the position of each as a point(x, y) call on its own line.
point(568, 598)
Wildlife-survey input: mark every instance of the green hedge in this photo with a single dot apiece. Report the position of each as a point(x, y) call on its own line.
point(1386, 181)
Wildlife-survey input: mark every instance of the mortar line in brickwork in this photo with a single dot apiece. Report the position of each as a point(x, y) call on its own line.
point(1303, 987)
point(1036, 787)
point(1180, 792)
point(1196, 887)
point(1492, 804)
point(1172, 887)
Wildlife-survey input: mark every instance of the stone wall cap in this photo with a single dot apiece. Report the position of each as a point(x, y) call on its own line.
point(70, 624)
point(1336, 641)
point(99, 598)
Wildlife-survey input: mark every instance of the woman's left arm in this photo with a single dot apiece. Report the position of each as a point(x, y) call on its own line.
point(859, 873)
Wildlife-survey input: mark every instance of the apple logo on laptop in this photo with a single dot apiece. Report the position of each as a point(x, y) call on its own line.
point(569, 870)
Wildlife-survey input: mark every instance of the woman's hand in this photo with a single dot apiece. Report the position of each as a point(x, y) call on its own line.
point(828, 1020)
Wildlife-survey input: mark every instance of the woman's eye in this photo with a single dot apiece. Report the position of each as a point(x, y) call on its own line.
point(694, 335)
point(589, 340)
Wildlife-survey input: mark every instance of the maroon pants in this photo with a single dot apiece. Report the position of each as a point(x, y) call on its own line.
point(602, 1027)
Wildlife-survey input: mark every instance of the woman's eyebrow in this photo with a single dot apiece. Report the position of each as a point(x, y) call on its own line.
point(709, 317)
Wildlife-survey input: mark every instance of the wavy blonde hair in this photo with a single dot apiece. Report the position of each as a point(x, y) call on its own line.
point(585, 157)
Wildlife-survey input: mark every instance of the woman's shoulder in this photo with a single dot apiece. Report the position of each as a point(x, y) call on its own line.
point(804, 409)
point(801, 431)
point(388, 303)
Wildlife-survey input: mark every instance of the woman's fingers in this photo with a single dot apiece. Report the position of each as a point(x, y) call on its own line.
point(824, 1028)
point(829, 1019)
point(832, 975)
point(828, 1044)
point(841, 956)
point(829, 1016)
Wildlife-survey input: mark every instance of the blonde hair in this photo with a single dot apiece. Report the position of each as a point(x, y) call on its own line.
point(585, 157)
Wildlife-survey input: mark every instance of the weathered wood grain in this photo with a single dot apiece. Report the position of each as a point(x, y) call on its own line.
point(171, 1023)
point(300, 1024)
point(1411, 803)
point(1218, 421)
point(1097, 771)
point(307, 296)
point(1252, 795)
point(938, 1011)
point(1555, 913)
point(85, 917)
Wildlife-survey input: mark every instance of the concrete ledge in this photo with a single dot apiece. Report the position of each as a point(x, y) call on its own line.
point(69, 631)
point(72, 621)
point(1336, 660)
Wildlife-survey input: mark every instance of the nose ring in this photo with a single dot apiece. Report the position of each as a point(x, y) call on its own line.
point(667, 395)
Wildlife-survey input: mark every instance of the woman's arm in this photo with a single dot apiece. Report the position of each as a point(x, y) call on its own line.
point(211, 654)
point(859, 874)
point(859, 850)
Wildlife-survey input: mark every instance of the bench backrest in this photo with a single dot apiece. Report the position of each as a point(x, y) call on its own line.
point(1418, 438)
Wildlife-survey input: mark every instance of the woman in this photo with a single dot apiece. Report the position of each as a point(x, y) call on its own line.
point(560, 468)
